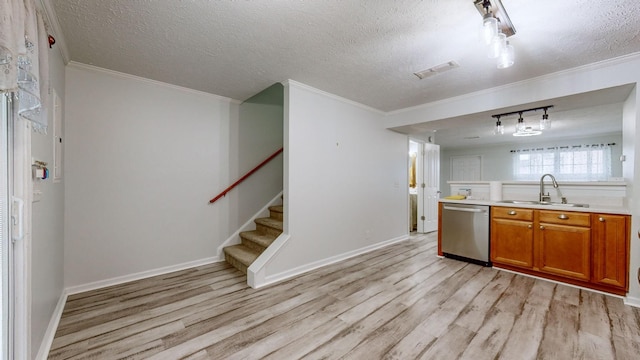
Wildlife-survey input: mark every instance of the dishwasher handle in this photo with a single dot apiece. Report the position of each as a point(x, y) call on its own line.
point(464, 209)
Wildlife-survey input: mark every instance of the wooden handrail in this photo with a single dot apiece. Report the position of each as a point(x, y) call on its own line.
point(243, 178)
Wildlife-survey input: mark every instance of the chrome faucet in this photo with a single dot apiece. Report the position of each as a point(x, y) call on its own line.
point(543, 196)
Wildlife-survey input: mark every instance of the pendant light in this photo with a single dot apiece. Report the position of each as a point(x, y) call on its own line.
point(520, 126)
point(497, 46)
point(489, 23)
point(545, 123)
point(506, 57)
point(499, 129)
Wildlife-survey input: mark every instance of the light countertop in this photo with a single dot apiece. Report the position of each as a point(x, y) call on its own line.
point(601, 209)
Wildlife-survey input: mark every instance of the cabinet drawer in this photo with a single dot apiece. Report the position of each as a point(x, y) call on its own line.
point(565, 218)
point(512, 213)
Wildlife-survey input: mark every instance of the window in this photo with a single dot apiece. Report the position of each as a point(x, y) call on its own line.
point(578, 162)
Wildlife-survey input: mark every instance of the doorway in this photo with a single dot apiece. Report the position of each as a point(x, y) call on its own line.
point(424, 182)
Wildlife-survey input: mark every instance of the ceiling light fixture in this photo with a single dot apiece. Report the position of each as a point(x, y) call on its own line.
point(496, 27)
point(521, 127)
point(545, 123)
point(499, 129)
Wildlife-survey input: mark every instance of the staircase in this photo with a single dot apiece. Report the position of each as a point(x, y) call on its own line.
point(256, 241)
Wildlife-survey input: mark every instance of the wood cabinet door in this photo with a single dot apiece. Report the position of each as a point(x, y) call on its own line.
point(512, 242)
point(565, 250)
point(610, 250)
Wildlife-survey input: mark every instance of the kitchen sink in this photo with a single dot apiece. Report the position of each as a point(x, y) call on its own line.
point(533, 202)
point(525, 202)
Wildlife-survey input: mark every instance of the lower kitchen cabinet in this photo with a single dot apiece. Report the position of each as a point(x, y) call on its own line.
point(590, 250)
point(610, 249)
point(565, 251)
point(512, 237)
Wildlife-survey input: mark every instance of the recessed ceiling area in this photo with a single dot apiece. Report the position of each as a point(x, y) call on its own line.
point(582, 115)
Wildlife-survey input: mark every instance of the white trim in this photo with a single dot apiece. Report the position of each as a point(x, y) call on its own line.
point(234, 239)
point(77, 65)
point(588, 67)
point(54, 23)
point(141, 275)
point(632, 301)
point(47, 340)
point(561, 283)
point(331, 96)
point(271, 279)
point(256, 273)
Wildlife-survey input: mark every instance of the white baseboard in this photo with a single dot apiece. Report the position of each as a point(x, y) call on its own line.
point(141, 275)
point(632, 301)
point(47, 340)
point(271, 279)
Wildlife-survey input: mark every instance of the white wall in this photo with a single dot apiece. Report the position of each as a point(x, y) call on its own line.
point(497, 160)
point(345, 180)
point(259, 132)
point(142, 160)
point(47, 235)
point(610, 73)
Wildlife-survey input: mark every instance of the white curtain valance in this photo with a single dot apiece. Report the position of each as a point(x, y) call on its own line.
point(24, 65)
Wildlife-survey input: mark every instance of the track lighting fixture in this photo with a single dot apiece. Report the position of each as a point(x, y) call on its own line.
point(521, 128)
point(496, 27)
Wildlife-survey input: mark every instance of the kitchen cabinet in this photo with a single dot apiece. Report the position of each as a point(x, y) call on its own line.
point(580, 248)
point(512, 237)
point(564, 240)
point(610, 249)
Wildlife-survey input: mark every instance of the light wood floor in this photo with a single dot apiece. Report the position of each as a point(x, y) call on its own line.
point(400, 302)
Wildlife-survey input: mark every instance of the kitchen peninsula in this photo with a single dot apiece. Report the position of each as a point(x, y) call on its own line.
point(569, 243)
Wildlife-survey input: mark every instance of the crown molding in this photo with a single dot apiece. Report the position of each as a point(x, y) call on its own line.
point(332, 96)
point(93, 68)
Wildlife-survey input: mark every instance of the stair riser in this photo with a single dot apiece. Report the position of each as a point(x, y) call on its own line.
point(276, 215)
point(235, 263)
point(268, 230)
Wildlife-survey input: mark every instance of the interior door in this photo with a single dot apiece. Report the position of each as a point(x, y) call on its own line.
point(430, 189)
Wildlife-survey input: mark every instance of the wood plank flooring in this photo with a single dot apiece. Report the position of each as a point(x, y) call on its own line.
point(400, 302)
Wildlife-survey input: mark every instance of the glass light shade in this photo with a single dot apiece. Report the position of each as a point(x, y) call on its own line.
point(497, 45)
point(507, 57)
point(545, 123)
point(489, 28)
point(499, 129)
point(520, 126)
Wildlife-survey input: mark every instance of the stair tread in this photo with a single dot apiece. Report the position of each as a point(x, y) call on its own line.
point(258, 237)
point(277, 208)
point(242, 253)
point(270, 222)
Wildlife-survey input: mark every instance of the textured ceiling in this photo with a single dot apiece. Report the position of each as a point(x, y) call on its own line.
point(365, 51)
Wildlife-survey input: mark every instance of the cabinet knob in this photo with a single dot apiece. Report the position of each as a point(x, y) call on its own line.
point(541, 227)
point(530, 226)
point(563, 217)
point(601, 219)
point(512, 212)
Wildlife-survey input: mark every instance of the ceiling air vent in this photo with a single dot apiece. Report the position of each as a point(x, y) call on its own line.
point(436, 70)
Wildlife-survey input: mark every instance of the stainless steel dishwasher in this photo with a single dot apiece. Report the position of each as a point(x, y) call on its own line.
point(465, 232)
